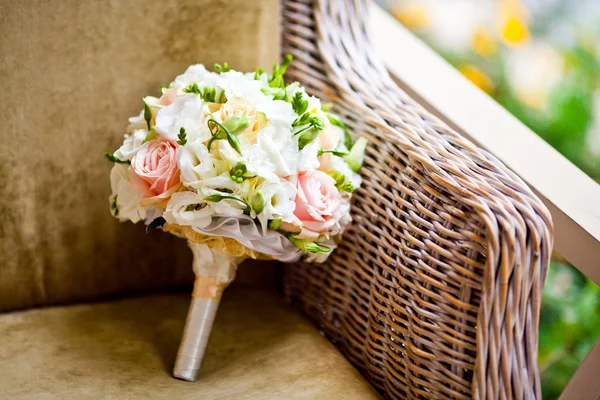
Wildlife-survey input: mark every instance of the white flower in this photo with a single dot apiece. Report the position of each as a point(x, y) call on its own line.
point(223, 185)
point(128, 199)
point(235, 84)
point(194, 74)
point(137, 122)
point(278, 198)
point(185, 112)
point(188, 209)
point(281, 148)
point(278, 111)
point(196, 164)
point(131, 144)
point(307, 160)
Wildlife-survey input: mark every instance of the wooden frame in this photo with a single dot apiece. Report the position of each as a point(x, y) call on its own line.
point(571, 196)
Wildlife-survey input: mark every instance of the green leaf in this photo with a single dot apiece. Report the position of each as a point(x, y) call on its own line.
point(156, 223)
point(207, 94)
point(192, 88)
point(334, 120)
point(275, 224)
point(307, 137)
point(357, 154)
point(182, 137)
point(276, 80)
point(258, 73)
point(150, 136)
point(148, 115)
point(111, 157)
point(326, 106)
point(114, 206)
point(304, 245)
point(299, 104)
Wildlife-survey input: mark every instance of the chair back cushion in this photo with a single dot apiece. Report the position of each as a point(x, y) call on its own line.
point(72, 73)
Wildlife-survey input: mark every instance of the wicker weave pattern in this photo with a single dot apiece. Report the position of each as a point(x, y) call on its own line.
point(436, 291)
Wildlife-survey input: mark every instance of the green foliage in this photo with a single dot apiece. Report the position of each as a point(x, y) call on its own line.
point(338, 122)
point(148, 116)
point(213, 198)
point(228, 130)
point(222, 68)
point(299, 104)
point(335, 152)
point(182, 137)
point(275, 224)
point(156, 223)
point(207, 94)
point(357, 154)
point(114, 206)
point(112, 158)
point(305, 245)
point(238, 172)
point(569, 325)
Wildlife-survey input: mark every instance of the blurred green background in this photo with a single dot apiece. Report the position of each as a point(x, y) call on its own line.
point(540, 60)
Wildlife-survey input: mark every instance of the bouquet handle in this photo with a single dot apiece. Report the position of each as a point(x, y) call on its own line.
point(214, 272)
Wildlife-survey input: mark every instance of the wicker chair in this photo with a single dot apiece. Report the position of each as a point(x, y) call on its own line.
point(436, 291)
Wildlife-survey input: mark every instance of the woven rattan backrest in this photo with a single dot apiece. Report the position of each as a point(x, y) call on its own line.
point(435, 291)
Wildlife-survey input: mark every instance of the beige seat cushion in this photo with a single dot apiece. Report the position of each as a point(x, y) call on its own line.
point(259, 349)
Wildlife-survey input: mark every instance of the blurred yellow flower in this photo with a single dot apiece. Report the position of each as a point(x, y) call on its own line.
point(478, 77)
point(513, 23)
point(483, 41)
point(413, 15)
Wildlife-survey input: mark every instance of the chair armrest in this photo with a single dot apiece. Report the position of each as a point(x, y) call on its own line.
point(436, 290)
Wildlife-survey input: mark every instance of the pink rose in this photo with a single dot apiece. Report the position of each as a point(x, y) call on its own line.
point(155, 172)
point(329, 138)
point(318, 203)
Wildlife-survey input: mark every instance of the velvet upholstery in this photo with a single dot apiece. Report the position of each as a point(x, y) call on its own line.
point(259, 349)
point(72, 72)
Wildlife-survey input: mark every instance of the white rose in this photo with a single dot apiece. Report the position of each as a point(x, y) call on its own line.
point(128, 201)
point(185, 112)
point(131, 144)
point(188, 209)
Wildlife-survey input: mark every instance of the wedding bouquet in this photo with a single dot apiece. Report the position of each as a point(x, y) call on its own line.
point(241, 165)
